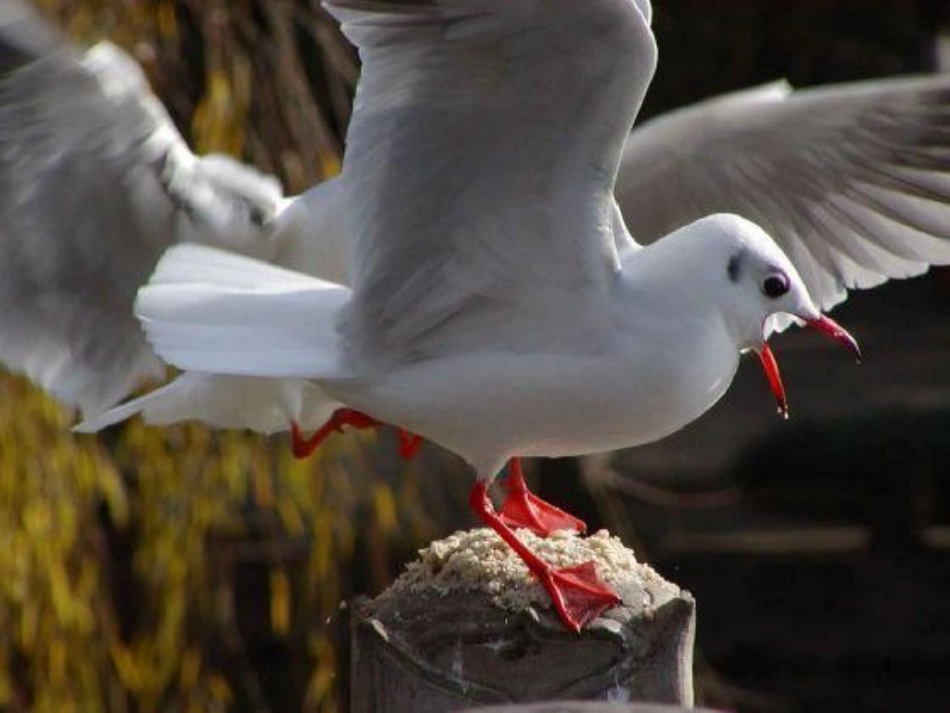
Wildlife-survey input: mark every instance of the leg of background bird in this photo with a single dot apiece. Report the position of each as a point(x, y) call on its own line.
point(409, 443)
point(577, 592)
point(522, 508)
point(303, 447)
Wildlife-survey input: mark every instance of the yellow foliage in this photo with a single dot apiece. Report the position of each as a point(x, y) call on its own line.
point(192, 502)
point(220, 116)
point(385, 506)
point(279, 602)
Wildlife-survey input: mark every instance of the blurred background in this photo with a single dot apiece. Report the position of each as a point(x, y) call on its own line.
point(185, 570)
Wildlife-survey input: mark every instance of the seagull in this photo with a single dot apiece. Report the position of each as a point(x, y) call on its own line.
point(469, 277)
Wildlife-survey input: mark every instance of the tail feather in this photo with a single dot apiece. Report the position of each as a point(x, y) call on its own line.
point(191, 263)
point(259, 404)
point(209, 310)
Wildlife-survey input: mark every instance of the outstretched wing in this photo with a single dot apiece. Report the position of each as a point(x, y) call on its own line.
point(853, 181)
point(95, 183)
point(481, 160)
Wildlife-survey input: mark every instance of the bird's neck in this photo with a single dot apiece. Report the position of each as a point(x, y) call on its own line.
point(673, 281)
point(681, 356)
point(669, 294)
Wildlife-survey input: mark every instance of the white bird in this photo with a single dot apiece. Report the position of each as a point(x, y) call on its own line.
point(497, 304)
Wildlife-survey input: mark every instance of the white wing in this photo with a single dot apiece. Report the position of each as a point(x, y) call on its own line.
point(95, 183)
point(853, 181)
point(481, 159)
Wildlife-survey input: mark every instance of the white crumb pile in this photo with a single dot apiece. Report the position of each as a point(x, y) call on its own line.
point(479, 560)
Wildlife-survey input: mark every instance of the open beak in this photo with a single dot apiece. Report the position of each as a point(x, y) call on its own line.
point(828, 326)
point(775, 379)
point(823, 324)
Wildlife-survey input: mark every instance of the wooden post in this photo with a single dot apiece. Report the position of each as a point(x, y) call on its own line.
point(434, 647)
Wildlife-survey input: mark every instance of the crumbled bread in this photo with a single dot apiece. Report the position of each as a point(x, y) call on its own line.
point(480, 560)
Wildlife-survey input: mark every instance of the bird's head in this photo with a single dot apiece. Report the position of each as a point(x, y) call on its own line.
point(761, 290)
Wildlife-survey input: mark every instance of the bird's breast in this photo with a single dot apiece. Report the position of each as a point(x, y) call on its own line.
point(487, 407)
point(636, 395)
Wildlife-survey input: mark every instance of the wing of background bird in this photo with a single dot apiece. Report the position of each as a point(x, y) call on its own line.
point(481, 159)
point(853, 181)
point(95, 183)
point(23, 36)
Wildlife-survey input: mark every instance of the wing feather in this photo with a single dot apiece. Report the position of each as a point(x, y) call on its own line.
point(852, 180)
point(95, 183)
point(481, 159)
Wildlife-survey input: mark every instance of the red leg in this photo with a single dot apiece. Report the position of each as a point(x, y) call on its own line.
point(577, 592)
point(522, 508)
point(303, 447)
point(409, 443)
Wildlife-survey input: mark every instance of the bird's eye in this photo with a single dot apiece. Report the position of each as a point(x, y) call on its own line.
point(775, 285)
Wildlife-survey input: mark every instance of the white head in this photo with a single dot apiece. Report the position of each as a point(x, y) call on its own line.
point(757, 279)
point(748, 280)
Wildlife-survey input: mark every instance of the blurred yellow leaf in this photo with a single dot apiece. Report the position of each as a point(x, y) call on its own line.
point(220, 690)
point(190, 667)
point(384, 506)
point(279, 602)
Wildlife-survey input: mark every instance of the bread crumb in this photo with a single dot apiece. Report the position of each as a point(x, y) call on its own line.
point(480, 560)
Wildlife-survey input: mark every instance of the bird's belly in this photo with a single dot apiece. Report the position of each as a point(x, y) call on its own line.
point(488, 407)
point(630, 407)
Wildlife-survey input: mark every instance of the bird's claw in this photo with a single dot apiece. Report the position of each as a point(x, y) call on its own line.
point(522, 508)
point(525, 509)
point(578, 594)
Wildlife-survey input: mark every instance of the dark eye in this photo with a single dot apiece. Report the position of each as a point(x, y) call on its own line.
point(775, 285)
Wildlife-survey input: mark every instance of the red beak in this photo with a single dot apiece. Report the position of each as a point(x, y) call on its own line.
point(834, 330)
point(824, 325)
point(775, 379)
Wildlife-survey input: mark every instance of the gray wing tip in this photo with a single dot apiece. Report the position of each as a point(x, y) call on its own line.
point(25, 36)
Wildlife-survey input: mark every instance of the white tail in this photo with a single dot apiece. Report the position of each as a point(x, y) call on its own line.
point(213, 311)
point(264, 405)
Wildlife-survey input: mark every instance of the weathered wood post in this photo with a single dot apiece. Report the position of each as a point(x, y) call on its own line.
point(466, 625)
